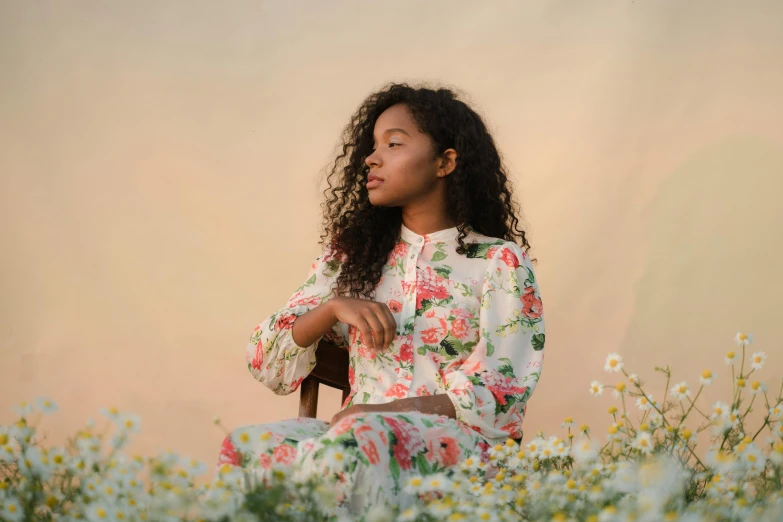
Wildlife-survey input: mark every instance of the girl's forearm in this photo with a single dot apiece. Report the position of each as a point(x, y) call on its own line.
point(433, 404)
point(314, 324)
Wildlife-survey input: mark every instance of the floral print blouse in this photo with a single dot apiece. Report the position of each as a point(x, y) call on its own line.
point(470, 326)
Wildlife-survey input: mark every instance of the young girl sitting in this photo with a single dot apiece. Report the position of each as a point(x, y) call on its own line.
point(423, 281)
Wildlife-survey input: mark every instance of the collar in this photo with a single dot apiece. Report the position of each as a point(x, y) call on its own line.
point(446, 235)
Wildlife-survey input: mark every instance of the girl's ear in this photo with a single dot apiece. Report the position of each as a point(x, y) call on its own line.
point(448, 162)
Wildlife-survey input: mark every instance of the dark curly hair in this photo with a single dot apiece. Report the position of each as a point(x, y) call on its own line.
point(478, 191)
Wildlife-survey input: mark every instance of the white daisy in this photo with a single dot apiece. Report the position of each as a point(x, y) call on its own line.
point(470, 464)
point(413, 485)
point(644, 403)
point(336, 459)
point(111, 413)
point(438, 482)
point(130, 423)
point(409, 515)
point(24, 409)
point(719, 409)
point(11, 509)
point(757, 387)
point(643, 442)
point(730, 358)
point(567, 422)
point(99, 511)
point(243, 440)
point(585, 450)
point(596, 388)
point(655, 419)
point(534, 447)
point(706, 378)
point(680, 391)
point(743, 339)
point(757, 360)
point(634, 379)
point(46, 406)
point(614, 362)
point(753, 459)
point(619, 390)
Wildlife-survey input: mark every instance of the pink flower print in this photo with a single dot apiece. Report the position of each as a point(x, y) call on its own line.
point(409, 441)
point(491, 252)
point(258, 357)
point(400, 250)
point(406, 353)
point(461, 313)
point(448, 451)
point(305, 301)
point(394, 305)
point(459, 328)
point(531, 305)
point(345, 424)
point(436, 333)
point(228, 453)
point(513, 429)
point(509, 258)
point(284, 454)
point(265, 461)
point(363, 436)
point(399, 391)
point(285, 320)
point(366, 353)
point(422, 391)
point(430, 286)
point(295, 385)
point(502, 386)
point(351, 376)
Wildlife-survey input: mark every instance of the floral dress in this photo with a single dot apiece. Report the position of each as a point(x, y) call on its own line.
point(468, 325)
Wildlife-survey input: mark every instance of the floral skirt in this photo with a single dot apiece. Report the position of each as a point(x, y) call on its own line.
point(371, 454)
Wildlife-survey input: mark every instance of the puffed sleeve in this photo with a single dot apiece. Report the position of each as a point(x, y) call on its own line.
point(273, 357)
point(491, 387)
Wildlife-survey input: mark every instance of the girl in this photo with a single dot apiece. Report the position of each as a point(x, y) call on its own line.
point(423, 282)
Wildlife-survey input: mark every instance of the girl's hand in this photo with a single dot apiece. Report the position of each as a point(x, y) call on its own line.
point(353, 410)
point(374, 320)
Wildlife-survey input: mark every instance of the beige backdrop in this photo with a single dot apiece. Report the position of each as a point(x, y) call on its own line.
point(161, 167)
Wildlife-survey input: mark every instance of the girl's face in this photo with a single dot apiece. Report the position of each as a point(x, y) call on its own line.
point(403, 169)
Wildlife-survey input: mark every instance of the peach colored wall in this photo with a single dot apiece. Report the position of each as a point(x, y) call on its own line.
point(160, 166)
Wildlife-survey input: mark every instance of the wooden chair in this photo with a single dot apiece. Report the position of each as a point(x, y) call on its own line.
point(331, 369)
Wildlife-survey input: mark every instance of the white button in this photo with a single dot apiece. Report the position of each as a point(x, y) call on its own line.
point(413, 255)
point(419, 240)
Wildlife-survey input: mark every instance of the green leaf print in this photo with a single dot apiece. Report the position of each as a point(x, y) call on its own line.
point(439, 256)
point(443, 271)
point(366, 397)
point(506, 370)
point(332, 267)
point(476, 380)
point(427, 423)
point(450, 347)
point(479, 249)
point(421, 350)
point(490, 349)
point(420, 463)
point(538, 342)
point(310, 281)
point(394, 467)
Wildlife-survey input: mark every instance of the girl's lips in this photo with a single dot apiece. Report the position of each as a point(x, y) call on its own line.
point(374, 183)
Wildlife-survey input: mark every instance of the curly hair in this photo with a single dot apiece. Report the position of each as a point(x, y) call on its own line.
point(478, 191)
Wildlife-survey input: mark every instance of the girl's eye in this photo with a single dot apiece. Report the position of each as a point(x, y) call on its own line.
point(390, 144)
